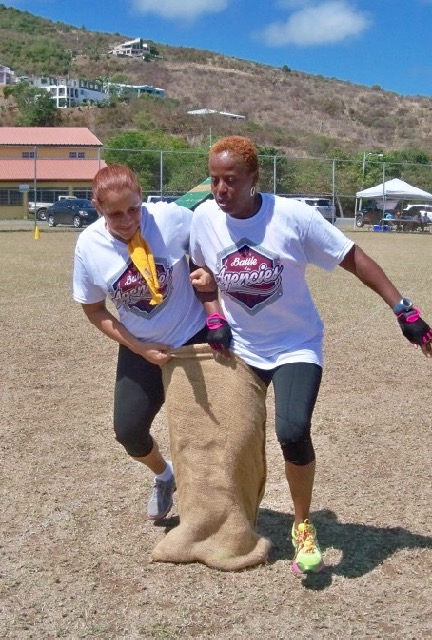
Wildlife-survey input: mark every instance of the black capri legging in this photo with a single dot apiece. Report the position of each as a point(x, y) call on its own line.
point(138, 397)
point(296, 386)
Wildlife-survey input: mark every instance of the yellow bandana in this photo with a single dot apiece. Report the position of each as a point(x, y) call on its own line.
point(141, 255)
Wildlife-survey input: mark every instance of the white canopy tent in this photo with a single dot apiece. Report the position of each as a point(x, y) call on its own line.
point(392, 191)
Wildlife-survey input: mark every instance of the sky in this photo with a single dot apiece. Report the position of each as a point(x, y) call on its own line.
point(365, 42)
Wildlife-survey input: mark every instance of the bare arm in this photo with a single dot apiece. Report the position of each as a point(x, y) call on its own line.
point(371, 274)
point(202, 279)
point(102, 319)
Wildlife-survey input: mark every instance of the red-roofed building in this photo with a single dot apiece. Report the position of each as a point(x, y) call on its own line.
point(43, 163)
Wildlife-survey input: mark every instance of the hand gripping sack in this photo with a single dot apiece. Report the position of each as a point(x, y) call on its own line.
point(216, 418)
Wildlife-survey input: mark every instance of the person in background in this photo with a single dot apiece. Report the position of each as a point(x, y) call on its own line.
point(258, 247)
point(422, 220)
point(136, 257)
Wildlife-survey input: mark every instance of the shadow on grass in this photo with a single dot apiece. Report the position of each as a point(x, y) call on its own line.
point(167, 523)
point(363, 547)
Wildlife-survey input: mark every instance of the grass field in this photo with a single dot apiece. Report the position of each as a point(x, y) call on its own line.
point(74, 540)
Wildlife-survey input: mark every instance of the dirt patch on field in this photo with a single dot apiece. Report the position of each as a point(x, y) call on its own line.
point(75, 543)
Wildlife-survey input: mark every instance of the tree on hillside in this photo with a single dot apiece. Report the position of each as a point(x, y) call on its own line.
point(36, 106)
point(163, 162)
point(273, 166)
point(134, 149)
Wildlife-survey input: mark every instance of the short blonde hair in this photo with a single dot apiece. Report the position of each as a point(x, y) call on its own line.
point(239, 146)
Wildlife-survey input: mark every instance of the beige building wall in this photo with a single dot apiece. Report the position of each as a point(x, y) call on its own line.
point(14, 213)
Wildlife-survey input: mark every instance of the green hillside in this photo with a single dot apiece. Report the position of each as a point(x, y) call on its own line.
point(300, 114)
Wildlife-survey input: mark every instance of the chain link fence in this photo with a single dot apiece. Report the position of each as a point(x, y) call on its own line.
point(173, 173)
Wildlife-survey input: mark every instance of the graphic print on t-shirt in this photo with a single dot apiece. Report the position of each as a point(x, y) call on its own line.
point(250, 274)
point(129, 289)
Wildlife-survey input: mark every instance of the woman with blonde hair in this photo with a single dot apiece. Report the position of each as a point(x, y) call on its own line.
point(136, 257)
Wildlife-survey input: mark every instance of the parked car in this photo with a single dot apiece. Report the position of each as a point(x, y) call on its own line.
point(162, 198)
point(74, 212)
point(368, 215)
point(323, 205)
point(40, 209)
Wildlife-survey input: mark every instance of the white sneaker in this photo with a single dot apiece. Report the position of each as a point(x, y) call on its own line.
point(161, 499)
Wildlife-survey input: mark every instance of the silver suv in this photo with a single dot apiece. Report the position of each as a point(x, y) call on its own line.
point(323, 205)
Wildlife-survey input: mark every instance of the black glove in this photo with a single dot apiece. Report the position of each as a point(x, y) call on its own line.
point(219, 334)
point(413, 327)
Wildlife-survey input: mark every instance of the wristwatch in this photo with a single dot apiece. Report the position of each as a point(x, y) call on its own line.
point(403, 305)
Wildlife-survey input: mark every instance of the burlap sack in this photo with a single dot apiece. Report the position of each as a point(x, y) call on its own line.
point(216, 418)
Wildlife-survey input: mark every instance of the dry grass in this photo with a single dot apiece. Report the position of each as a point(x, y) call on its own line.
point(75, 543)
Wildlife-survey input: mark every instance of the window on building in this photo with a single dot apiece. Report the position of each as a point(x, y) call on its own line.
point(85, 194)
point(77, 154)
point(11, 197)
point(47, 195)
point(27, 154)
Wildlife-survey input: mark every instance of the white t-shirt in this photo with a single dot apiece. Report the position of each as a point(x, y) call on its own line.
point(103, 269)
point(260, 267)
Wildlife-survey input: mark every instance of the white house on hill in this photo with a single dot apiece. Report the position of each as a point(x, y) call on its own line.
point(69, 93)
point(135, 89)
point(132, 49)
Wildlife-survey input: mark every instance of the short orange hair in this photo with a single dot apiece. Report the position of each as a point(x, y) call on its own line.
point(239, 146)
point(114, 177)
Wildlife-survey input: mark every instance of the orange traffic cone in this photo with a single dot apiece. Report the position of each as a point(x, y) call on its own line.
point(36, 233)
